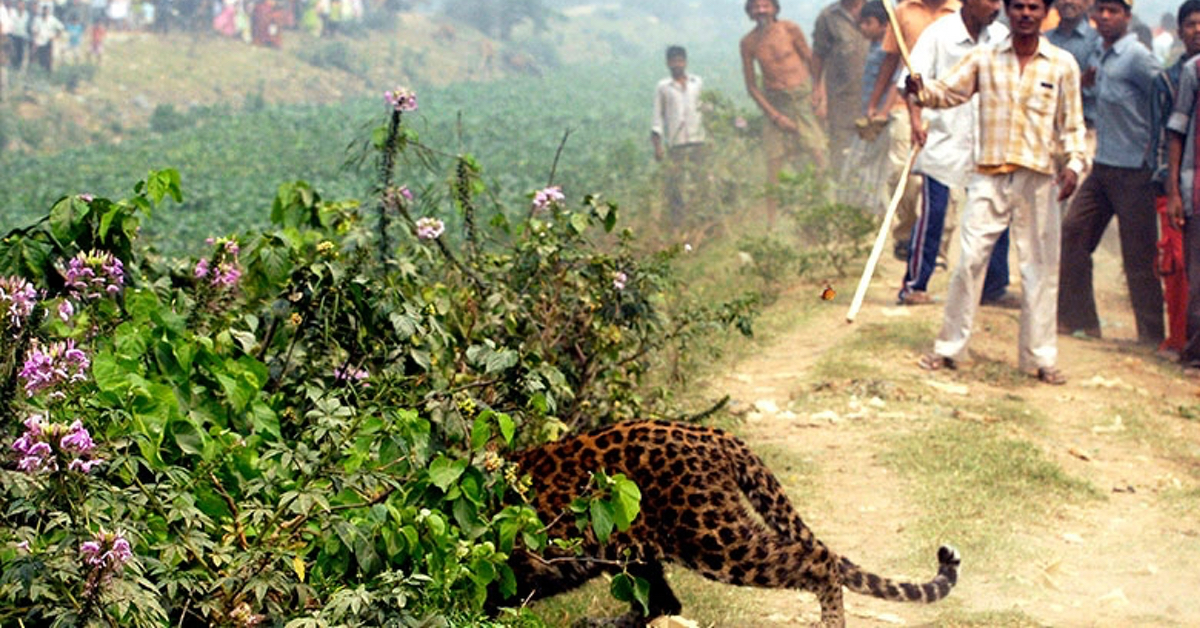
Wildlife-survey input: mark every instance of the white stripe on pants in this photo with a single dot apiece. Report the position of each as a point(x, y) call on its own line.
point(1024, 199)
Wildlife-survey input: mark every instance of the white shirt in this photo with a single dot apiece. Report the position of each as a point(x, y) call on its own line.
point(5, 21)
point(952, 140)
point(677, 111)
point(44, 29)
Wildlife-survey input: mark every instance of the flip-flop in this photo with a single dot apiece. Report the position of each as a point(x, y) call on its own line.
point(1051, 375)
point(935, 362)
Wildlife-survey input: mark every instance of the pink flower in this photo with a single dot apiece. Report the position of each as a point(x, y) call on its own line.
point(546, 197)
point(401, 99)
point(60, 364)
point(429, 228)
point(93, 274)
point(619, 279)
point(43, 445)
point(350, 373)
point(106, 555)
point(740, 123)
point(17, 299)
point(201, 269)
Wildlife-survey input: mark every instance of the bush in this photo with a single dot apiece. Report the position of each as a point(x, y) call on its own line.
point(307, 423)
point(166, 119)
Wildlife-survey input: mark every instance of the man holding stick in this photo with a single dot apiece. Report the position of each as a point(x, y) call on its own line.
point(1029, 97)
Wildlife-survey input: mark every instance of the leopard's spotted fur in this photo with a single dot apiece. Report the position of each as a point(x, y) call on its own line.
point(708, 503)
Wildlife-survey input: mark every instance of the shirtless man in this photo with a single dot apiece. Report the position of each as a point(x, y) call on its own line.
point(778, 47)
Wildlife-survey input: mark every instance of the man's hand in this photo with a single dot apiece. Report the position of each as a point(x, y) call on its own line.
point(914, 86)
point(1175, 209)
point(785, 123)
point(1088, 77)
point(1067, 180)
point(820, 102)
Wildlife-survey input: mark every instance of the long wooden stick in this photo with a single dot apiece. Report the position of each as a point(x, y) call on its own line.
point(881, 239)
point(901, 45)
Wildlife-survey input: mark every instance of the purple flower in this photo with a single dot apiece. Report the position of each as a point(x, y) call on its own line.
point(17, 298)
point(87, 198)
point(106, 555)
point(619, 279)
point(227, 275)
point(401, 99)
point(77, 440)
point(23, 547)
point(59, 364)
point(429, 228)
point(546, 197)
point(42, 446)
point(93, 274)
point(406, 193)
point(66, 310)
point(350, 373)
point(222, 268)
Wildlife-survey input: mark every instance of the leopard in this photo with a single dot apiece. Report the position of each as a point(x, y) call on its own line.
point(708, 504)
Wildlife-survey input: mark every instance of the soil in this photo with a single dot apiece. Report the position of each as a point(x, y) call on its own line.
point(1129, 558)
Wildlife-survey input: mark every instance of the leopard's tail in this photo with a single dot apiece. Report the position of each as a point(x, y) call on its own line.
point(860, 581)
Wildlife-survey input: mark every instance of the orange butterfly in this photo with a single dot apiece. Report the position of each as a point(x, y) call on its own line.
point(828, 293)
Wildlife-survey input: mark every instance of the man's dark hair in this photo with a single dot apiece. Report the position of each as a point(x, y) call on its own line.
point(1186, 9)
point(774, 3)
point(1048, 3)
point(1123, 4)
point(875, 9)
point(680, 51)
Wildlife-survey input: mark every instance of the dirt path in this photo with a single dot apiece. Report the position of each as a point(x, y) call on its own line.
point(1128, 557)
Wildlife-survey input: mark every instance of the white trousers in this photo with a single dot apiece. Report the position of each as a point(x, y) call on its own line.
point(1025, 201)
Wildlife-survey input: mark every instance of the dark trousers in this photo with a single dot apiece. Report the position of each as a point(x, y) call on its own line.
point(927, 240)
point(686, 172)
point(1128, 194)
point(17, 46)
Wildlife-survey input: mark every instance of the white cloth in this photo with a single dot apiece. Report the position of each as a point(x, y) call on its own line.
point(952, 141)
point(1024, 200)
point(677, 111)
point(43, 30)
point(5, 21)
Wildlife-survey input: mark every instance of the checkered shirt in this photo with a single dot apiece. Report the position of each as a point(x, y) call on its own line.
point(1025, 117)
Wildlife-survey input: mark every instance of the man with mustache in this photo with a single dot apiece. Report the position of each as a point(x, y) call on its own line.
point(1028, 99)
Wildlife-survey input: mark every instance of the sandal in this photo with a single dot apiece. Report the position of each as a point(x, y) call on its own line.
point(935, 362)
point(1051, 375)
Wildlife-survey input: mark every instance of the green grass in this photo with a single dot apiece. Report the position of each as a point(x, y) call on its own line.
point(978, 487)
point(986, 619)
point(874, 350)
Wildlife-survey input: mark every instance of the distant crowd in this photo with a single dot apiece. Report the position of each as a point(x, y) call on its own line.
point(42, 34)
point(1035, 121)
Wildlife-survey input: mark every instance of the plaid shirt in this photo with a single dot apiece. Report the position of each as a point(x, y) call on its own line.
point(1023, 116)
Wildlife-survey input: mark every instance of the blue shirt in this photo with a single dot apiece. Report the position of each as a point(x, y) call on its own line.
point(1124, 88)
point(1166, 84)
point(875, 57)
point(1081, 42)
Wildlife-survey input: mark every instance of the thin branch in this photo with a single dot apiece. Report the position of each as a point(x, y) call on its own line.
point(557, 154)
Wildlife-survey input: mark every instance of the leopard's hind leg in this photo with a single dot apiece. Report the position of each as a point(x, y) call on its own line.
point(762, 559)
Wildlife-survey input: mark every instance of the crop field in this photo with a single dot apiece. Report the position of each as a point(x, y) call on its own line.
point(232, 159)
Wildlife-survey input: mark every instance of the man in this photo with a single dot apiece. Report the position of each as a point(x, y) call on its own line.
point(1120, 184)
point(1028, 98)
point(839, 56)
point(678, 125)
point(948, 140)
point(18, 34)
point(1182, 193)
point(912, 16)
point(1075, 35)
point(1171, 263)
point(791, 135)
point(43, 30)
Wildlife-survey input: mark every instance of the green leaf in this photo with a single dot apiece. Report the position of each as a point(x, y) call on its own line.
point(579, 222)
point(186, 435)
point(627, 499)
point(443, 471)
point(481, 431)
point(627, 588)
point(501, 361)
point(508, 428)
point(602, 519)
